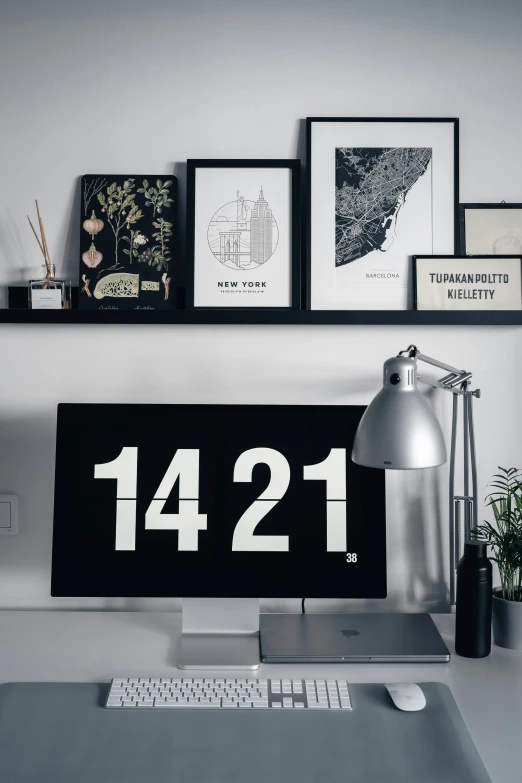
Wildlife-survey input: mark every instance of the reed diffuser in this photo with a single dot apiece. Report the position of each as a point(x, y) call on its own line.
point(47, 293)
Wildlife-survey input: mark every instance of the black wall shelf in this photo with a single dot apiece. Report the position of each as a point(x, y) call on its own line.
point(18, 313)
point(269, 317)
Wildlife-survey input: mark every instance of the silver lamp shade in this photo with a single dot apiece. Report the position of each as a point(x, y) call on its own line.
point(399, 429)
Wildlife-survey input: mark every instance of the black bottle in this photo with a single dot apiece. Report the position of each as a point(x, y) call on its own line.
point(474, 598)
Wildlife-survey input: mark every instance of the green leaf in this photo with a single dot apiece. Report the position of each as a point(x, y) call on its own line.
point(505, 535)
point(159, 184)
point(145, 183)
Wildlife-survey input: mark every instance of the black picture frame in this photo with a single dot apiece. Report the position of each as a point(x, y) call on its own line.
point(460, 257)
point(154, 200)
point(462, 219)
point(309, 123)
point(294, 165)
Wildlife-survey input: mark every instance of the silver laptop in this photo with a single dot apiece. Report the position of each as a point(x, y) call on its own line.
point(351, 638)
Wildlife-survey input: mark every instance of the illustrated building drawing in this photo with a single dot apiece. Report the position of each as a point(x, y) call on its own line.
point(260, 231)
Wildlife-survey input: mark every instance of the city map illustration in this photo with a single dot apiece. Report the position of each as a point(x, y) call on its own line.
point(371, 186)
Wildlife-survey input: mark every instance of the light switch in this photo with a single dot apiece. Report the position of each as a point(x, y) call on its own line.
point(8, 515)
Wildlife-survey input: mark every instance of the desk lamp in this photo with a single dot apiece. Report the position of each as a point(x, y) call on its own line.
point(399, 431)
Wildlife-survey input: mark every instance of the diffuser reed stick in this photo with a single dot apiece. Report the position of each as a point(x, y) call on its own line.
point(36, 236)
point(42, 242)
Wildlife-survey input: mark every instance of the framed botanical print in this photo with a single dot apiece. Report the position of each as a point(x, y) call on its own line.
point(243, 234)
point(379, 191)
point(468, 282)
point(491, 228)
point(127, 242)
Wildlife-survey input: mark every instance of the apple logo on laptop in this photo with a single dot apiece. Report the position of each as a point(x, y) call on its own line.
point(349, 632)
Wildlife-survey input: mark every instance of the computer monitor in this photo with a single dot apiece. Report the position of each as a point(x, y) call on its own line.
point(215, 501)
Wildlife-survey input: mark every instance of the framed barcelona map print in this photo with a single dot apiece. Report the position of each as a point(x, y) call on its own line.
point(379, 192)
point(127, 242)
point(243, 232)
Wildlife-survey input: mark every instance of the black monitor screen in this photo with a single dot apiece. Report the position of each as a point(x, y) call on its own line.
point(215, 501)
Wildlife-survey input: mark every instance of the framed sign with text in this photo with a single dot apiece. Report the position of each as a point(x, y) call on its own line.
point(468, 283)
point(243, 234)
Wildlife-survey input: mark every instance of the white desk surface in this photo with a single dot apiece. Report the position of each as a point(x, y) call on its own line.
point(96, 646)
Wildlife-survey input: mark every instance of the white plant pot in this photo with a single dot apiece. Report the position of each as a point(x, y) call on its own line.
point(507, 622)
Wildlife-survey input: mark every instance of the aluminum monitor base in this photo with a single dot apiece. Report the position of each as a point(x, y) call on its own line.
point(214, 651)
point(220, 633)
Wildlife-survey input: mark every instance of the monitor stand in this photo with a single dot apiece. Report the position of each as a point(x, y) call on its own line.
point(219, 633)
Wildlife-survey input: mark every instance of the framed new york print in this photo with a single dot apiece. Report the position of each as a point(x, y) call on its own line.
point(379, 192)
point(243, 234)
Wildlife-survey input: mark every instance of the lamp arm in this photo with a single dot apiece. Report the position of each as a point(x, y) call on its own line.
point(457, 382)
point(455, 377)
point(413, 352)
point(436, 363)
point(442, 385)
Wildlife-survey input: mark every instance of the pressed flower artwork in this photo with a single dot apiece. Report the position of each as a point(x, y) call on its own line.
point(127, 242)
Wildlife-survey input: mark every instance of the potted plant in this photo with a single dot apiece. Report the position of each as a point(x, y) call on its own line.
point(504, 536)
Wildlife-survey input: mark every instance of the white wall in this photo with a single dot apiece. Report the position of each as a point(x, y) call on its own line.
point(131, 86)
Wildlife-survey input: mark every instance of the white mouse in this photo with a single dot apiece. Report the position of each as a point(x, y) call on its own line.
point(406, 696)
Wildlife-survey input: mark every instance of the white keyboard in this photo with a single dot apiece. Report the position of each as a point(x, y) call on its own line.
point(196, 693)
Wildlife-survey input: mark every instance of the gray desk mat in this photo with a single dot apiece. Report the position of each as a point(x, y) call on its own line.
point(61, 733)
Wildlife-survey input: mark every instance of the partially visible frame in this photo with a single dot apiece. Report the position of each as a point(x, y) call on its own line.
point(472, 283)
point(373, 280)
point(244, 266)
point(490, 228)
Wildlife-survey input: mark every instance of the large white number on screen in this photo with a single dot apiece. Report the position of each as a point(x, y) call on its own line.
point(188, 521)
point(333, 471)
point(184, 469)
point(125, 470)
point(244, 539)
